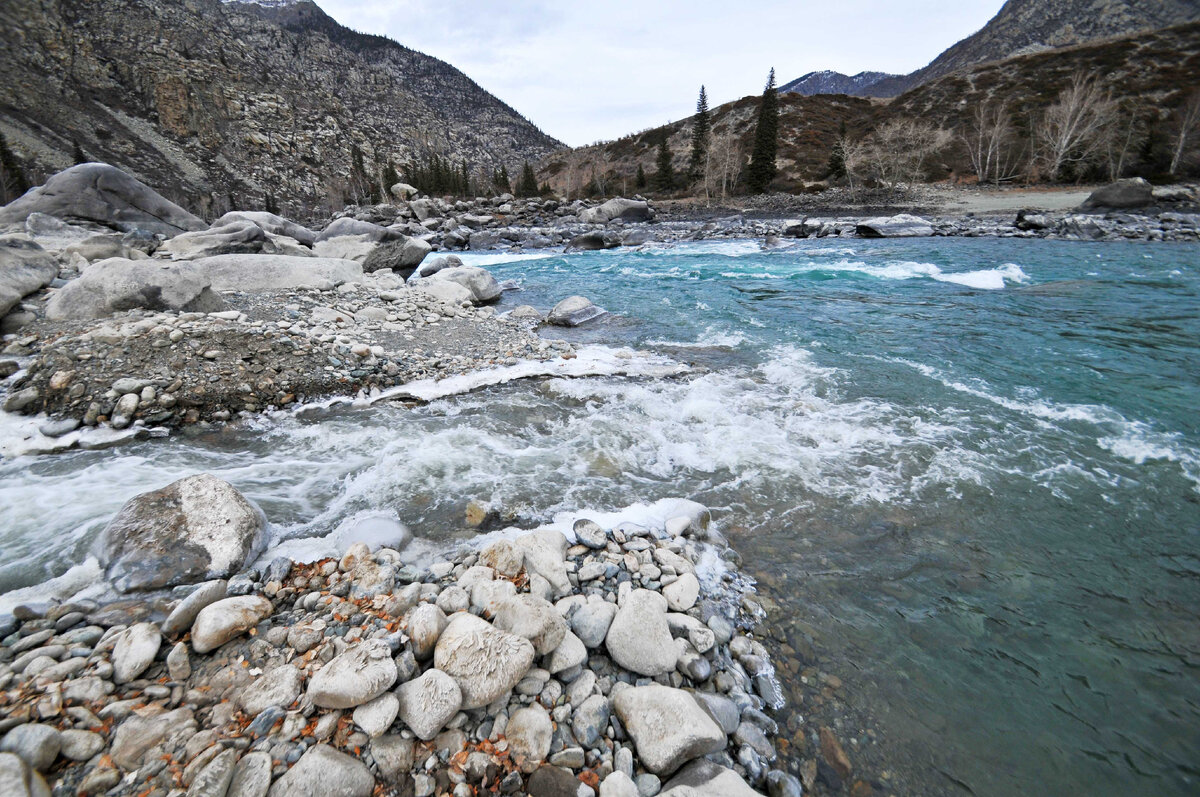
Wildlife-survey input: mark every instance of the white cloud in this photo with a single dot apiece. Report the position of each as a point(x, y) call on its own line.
point(584, 72)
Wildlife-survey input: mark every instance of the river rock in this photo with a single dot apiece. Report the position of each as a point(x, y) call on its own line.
point(350, 226)
point(197, 527)
point(229, 238)
point(214, 779)
point(573, 311)
point(593, 241)
point(251, 776)
point(551, 781)
point(427, 702)
point(545, 553)
point(503, 557)
point(1133, 192)
point(571, 652)
point(705, 779)
point(488, 596)
point(485, 661)
point(37, 745)
point(24, 268)
point(529, 732)
point(135, 651)
point(481, 284)
point(269, 222)
point(722, 709)
point(182, 616)
point(252, 273)
point(425, 624)
point(589, 533)
point(639, 638)
point(430, 267)
point(393, 755)
point(136, 735)
point(119, 284)
point(18, 780)
point(402, 257)
point(681, 594)
point(362, 673)
point(667, 725)
point(617, 208)
point(903, 225)
point(591, 621)
point(279, 686)
point(445, 291)
point(618, 784)
point(590, 720)
point(80, 745)
point(325, 772)
point(377, 715)
point(533, 618)
point(103, 194)
point(225, 619)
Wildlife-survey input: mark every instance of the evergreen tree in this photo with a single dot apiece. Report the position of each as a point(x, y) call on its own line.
point(700, 133)
point(837, 158)
point(766, 139)
point(528, 185)
point(12, 176)
point(640, 180)
point(387, 179)
point(77, 153)
point(664, 178)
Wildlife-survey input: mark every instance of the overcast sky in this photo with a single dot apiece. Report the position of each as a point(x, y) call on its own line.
point(592, 71)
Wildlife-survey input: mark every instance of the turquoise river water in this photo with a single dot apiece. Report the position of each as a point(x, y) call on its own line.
point(967, 471)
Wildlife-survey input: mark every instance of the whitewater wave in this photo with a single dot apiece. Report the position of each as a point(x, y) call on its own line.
point(983, 279)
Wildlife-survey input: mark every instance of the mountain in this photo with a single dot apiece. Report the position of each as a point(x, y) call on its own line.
point(223, 104)
point(1022, 27)
point(828, 82)
point(1151, 75)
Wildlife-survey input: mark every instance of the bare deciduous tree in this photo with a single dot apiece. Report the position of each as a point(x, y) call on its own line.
point(1120, 138)
point(1073, 130)
point(1187, 131)
point(897, 151)
point(723, 164)
point(992, 144)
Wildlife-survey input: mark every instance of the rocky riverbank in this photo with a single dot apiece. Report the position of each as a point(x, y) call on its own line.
point(617, 661)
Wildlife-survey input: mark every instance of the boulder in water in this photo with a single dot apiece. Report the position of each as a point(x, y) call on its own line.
point(592, 241)
point(196, 528)
point(402, 257)
point(573, 311)
point(105, 195)
point(619, 208)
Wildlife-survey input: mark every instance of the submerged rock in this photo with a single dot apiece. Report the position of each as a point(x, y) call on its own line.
point(198, 527)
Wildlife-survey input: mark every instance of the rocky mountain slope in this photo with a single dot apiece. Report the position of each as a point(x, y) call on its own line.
point(1150, 74)
point(1022, 27)
point(236, 104)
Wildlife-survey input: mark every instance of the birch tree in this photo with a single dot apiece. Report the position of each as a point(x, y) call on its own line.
point(1187, 131)
point(1073, 130)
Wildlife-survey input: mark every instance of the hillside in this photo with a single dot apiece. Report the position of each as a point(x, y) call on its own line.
point(1022, 27)
point(1150, 74)
point(829, 82)
point(232, 104)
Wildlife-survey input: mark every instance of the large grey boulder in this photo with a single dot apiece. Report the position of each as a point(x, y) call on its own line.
point(325, 772)
point(485, 661)
point(545, 552)
point(362, 673)
point(667, 725)
point(269, 222)
point(1133, 192)
point(24, 268)
point(623, 209)
point(402, 257)
point(478, 281)
point(349, 226)
point(703, 778)
point(118, 284)
point(639, 638)
point(573, 311)
point(232, 237)
point(261, 273)
point(105, 195)
point(903, 225)
point(193, 529)
point(346, 247)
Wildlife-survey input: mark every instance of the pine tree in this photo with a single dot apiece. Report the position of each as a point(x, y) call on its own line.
point(640, 180)
point(837, 158)
point(700, 133)
point(664, 178)
point(12, 177)
point(528, 185)
point(766, 139)
point(77, 153)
